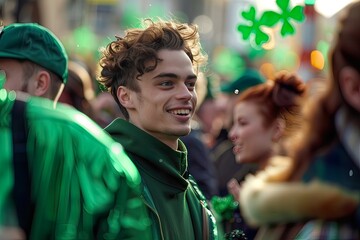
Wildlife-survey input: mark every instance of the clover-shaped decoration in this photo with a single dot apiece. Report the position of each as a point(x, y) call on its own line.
point(287, 14)
point(269, 19)
point(246, 30)
point(224, 206)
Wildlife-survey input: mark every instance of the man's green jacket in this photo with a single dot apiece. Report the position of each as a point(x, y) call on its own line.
point(177, 207)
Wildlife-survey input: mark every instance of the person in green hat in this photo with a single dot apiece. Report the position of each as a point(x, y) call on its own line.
point(224, 158)
point(63, 177)
point(222, 150)
point(33, 59)
point(151, 73)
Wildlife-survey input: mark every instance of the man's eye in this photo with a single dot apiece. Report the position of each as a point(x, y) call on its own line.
point(190, 85)
point(166, 84)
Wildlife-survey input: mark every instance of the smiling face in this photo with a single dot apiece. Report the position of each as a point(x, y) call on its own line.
point(253, 142)
point(167, 98)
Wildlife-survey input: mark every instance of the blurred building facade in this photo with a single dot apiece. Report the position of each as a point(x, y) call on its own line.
point(217, 20)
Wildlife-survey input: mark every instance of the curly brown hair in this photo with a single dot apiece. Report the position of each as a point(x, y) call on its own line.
point(127, 58)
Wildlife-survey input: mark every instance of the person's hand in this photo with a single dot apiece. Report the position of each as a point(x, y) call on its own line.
point(234, 189)
point(11, 233)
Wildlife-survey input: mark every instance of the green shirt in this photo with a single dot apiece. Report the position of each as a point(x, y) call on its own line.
point(177, 205)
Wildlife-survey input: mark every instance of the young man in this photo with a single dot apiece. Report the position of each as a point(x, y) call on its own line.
point(151, 73)
point(33, 59)
point(63, 177)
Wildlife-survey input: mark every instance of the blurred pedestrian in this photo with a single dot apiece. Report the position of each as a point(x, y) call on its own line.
point(79, 91)
point(63, 177)
point(324, 204)
point(201, 164)
point(265, 116)
point(224, 158)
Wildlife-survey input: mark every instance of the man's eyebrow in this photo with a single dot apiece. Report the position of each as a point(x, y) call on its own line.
point(173, 75)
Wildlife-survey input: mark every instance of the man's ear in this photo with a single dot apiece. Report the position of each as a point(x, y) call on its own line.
point(42, 84)
point(279, 129)
point(124, 96)
point(350, 86)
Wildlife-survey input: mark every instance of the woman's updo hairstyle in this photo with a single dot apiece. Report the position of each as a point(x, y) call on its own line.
point(281, 97)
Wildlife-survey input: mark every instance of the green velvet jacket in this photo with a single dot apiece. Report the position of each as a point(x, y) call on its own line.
point(177, 207)
point(84, 186)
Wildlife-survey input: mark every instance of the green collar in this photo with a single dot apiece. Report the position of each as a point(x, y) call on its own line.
point(150, 155)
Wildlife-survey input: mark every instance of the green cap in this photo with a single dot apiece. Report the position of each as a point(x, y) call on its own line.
point(33, 42)
point(249, 78)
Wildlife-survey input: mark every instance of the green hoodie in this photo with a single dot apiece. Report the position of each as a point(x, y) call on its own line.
point(175, 203)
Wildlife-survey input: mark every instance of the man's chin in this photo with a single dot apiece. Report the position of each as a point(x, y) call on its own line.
point(183, 132)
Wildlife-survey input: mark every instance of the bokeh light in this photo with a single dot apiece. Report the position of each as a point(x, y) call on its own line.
point(317, 59)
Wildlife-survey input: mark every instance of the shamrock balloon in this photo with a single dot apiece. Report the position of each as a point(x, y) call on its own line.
point(285, 17)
